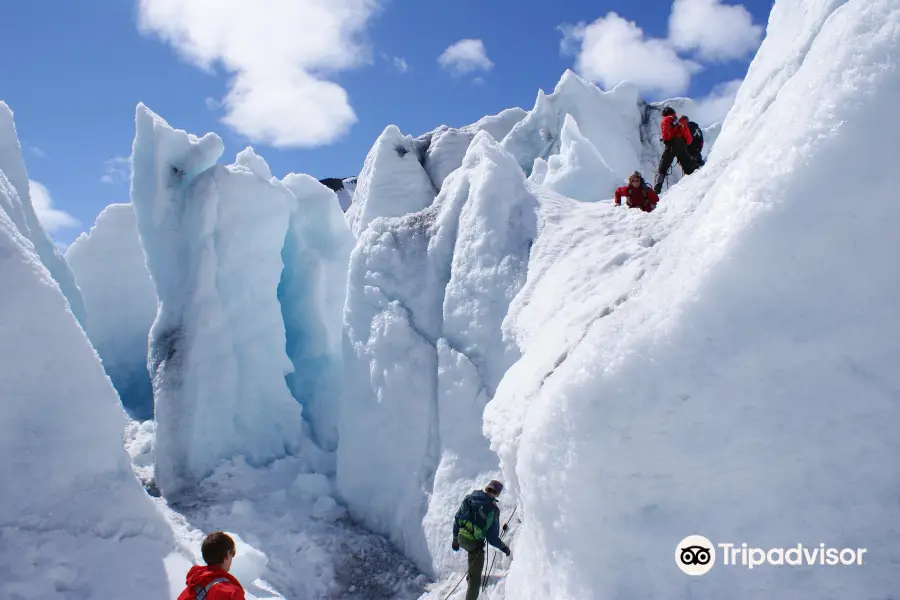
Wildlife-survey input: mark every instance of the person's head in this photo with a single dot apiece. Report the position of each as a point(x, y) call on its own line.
point(494, 488)
point(684, 118)
point(218, 550)
point(668, 111)
point(635, 179)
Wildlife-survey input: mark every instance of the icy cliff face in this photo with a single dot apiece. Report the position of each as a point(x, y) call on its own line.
point(721, 367)
point(427, 294)
point(74, 520)
point(109, 267)
point(16, 203)
point(225, 249)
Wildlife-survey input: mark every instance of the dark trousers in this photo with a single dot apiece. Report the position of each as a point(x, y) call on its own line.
point(475, 550)
point(676, 148)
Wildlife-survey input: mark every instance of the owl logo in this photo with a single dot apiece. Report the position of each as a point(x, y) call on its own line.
point(695, 555)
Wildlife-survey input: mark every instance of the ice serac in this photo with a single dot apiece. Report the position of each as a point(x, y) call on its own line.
point(729, 368)
point(447, 146)
point(610, 120)
point(578, 171)
point(427, 293)
point(392, 182)
point(213, 237)
point(312, 293)
point(109, 267)
point(20, 211)
point(74, 521)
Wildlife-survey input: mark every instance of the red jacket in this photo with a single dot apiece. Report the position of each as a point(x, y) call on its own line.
point(643, 197)
point(673, 128)
point(202, 575)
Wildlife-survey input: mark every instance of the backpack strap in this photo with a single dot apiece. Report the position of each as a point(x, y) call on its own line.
point(201, 592)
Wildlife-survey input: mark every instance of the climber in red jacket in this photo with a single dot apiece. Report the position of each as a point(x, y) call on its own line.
point(676, 136)
point(214, 582)
point(638, 194)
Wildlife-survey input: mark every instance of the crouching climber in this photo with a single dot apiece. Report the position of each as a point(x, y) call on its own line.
point(677, 138)
point(638, 194)
point(477, 521)
point(214, 582)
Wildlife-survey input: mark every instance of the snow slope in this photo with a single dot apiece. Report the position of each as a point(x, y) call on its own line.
point(16, 203)
point(214, 237)
point(723, 366)
point(74, 522)
point(421, 361)
point(109, 267)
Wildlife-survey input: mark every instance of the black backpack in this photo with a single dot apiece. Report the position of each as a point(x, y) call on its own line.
point(697, 134)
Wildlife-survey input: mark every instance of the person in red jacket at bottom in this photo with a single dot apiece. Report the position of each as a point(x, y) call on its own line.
point(677, 137)
point(638, 194)
point(214, 582)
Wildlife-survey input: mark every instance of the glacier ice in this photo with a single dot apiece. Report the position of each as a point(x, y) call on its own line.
point(578, 171)
point(312, 294)
point(74, 521)
point(213, 237)
point(120, 298)
point(427, 293)
point(723, 367)
point(392, 182)
point(20, 211)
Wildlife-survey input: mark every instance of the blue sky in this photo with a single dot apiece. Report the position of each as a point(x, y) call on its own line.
point(74, 71)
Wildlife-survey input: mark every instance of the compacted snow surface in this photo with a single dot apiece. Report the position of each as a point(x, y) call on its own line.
point(723, 366)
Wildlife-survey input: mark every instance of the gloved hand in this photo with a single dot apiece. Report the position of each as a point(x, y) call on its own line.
point(507, 551)
point(455, 546)
point(505, 527)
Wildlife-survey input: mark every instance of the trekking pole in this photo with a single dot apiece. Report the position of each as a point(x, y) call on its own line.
point(488, 573)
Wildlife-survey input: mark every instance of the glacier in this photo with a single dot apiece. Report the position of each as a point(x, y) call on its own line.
point(427, 293)
point(215, 238)
point(74, 521)
point(120, 298)
point(16, 203)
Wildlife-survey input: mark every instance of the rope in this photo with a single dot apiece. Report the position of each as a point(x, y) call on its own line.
point(493, 560)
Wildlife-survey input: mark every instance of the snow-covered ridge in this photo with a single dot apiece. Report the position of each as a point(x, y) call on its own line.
point(74, 521)
point(16, 203)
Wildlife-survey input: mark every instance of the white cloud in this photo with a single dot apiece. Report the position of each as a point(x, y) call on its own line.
point(718, 32)
point(118, 169)
point(37, 152)
point(400, 64)
point(715, 106)
point(465, 56)
point(612, 49)
point(51, 219)
point(278, 53)
point(212, 103)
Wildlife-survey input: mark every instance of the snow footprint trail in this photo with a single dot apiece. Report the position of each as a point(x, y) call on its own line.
point(287, 512)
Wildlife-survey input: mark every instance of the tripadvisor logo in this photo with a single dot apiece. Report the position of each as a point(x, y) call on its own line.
point(696, 555)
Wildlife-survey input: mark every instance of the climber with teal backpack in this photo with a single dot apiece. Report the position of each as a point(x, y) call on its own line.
point(478, 521)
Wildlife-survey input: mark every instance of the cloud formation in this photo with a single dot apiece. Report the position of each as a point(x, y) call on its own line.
point(117, 170)
point(465, 56)
point(612, 49)
point(714, 107)
point(278, 53)
point(52, 219)
point(400, 64)
point(717, 32)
